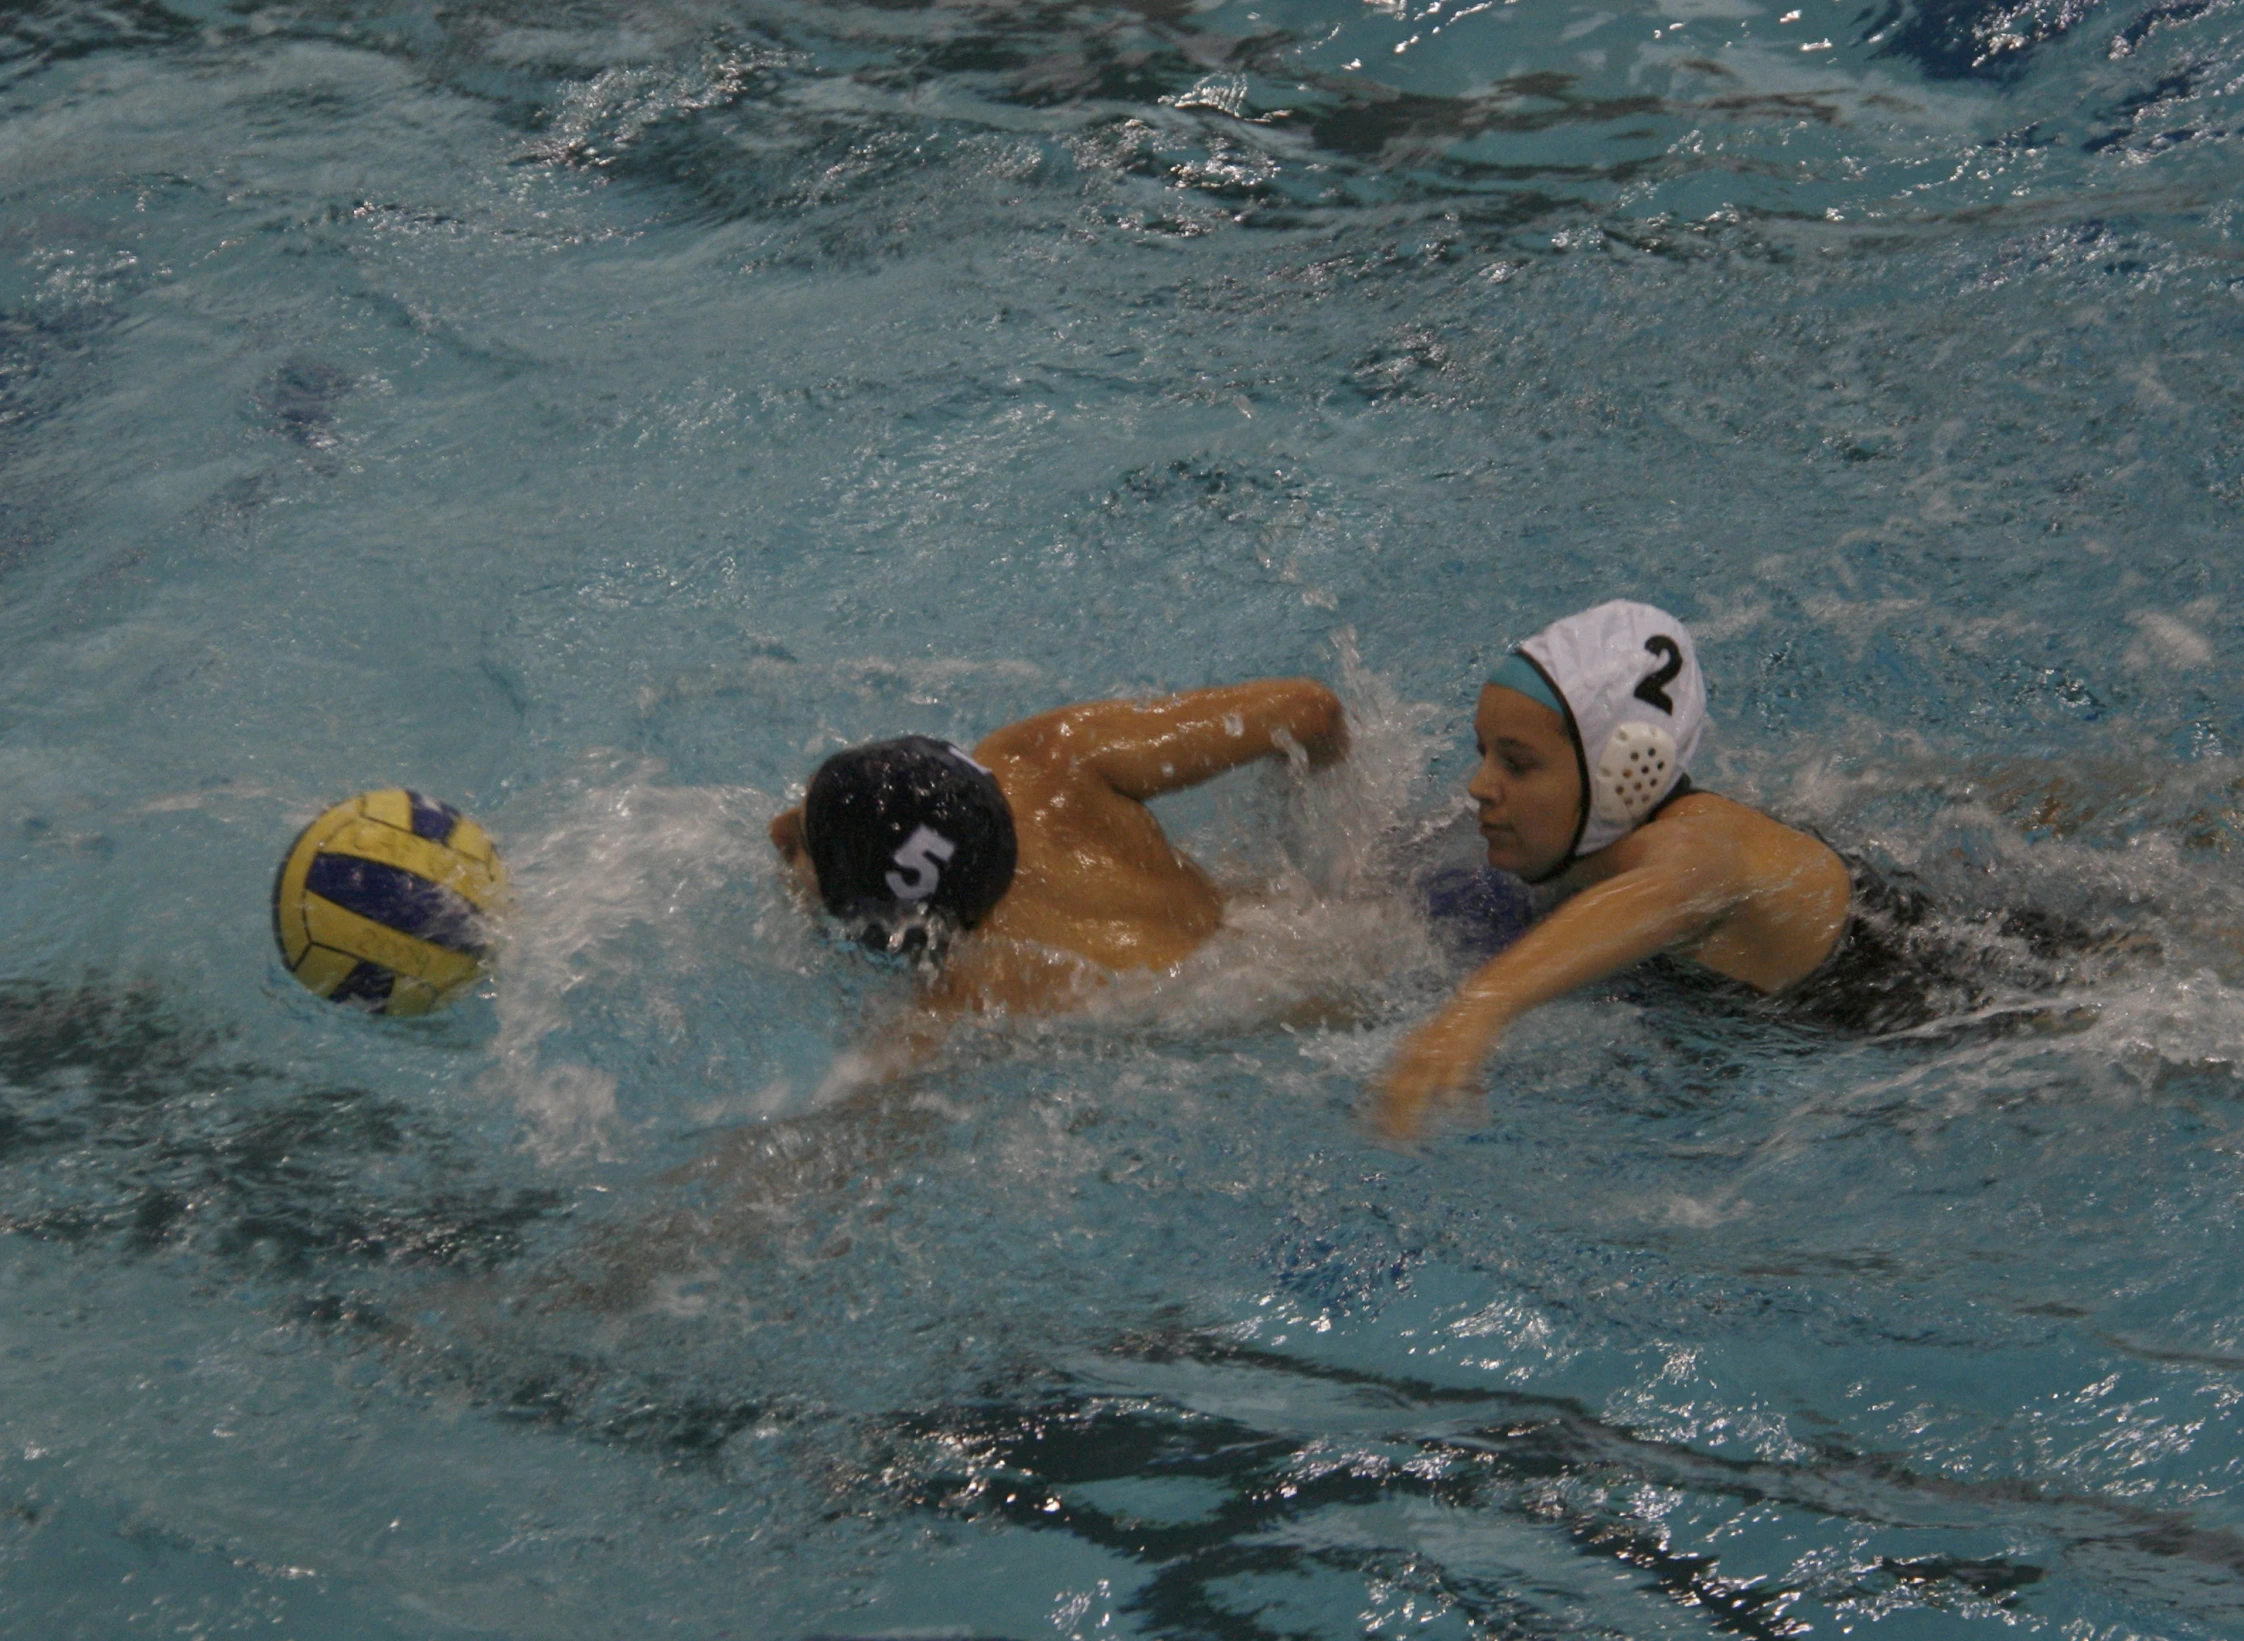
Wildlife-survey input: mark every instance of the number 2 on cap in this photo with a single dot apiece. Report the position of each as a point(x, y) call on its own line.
point(919, 857)
point(1652, 688)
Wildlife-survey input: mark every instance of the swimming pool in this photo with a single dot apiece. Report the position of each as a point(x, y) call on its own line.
point(594, 413)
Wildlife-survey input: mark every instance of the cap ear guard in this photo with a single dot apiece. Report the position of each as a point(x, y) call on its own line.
point(1633, 773)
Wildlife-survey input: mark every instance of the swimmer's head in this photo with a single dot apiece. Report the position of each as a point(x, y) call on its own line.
point(1528, 789)
point(906, 841)
point(1621, 682)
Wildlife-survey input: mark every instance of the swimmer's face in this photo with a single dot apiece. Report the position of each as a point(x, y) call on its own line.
point(1528, 788)
point(788, 838)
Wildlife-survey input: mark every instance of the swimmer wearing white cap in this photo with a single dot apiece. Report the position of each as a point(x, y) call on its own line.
point(1586, 736)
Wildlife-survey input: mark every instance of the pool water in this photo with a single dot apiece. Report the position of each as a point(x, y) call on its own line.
point(592, 414)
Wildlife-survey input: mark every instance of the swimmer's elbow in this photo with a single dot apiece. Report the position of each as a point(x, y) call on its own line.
point(1319, 722)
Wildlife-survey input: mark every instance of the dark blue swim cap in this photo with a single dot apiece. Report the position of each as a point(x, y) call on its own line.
point(907, 837)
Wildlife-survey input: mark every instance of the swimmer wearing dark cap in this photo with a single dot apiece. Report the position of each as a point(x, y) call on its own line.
point(1013, 877)
point(1586, 735)
point(1007, 870)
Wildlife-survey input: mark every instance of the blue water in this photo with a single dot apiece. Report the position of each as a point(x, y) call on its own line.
point(592, 413)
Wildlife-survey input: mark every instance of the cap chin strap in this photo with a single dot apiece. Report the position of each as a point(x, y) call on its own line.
point(1551, 876)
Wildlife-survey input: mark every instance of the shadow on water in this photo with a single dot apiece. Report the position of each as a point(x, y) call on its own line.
point(299, 401)
point(1541, 1461)
point(766, 117)
point(1993, 40)
point(119, 1126)
point(124, 1132)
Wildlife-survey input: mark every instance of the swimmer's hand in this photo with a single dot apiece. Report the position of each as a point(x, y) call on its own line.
point(1438, 1065)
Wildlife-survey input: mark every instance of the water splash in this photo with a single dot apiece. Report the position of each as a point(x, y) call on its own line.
point(615, 901)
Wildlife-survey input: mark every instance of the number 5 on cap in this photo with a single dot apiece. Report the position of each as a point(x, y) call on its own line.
point(919, 856)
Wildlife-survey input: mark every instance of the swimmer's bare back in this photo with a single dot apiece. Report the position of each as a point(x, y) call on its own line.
point(1098, 882)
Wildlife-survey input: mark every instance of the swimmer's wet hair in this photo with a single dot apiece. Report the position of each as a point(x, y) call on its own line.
point(912, 841)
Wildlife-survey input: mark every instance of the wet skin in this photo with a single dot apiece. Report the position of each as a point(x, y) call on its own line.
point(1708, 880)
point(1098, 883)
point(1097, 887)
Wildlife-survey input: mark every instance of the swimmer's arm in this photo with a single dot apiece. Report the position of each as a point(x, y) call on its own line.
point(1145, 748)
point(1667, 898)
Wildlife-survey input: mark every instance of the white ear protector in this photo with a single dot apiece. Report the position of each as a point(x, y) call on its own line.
point(1632, 773)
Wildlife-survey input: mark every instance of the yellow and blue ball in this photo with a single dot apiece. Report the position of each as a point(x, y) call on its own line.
point(387, 901)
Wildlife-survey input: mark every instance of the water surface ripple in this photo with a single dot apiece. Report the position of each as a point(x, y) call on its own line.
point(591, 413)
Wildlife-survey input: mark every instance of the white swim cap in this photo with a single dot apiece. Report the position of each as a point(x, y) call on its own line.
point(1629, 676)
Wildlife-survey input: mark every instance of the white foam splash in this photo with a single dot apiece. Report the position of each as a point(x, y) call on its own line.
point(1356, 824)
point(621, 858)
point(617, 906)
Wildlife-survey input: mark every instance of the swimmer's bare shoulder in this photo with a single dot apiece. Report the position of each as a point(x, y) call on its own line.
point(1098, 885)
point(1097, 876)
point(1777, 895)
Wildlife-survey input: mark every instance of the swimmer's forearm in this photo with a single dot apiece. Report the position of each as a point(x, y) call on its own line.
point(1204, 733)
point(1145, 748)
point(986, 977)
point(1466, 1029)
point(1442, 1059)
point(1320, 722)
point(1604, 929)
point(885, 1057)
point(1601, 931)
